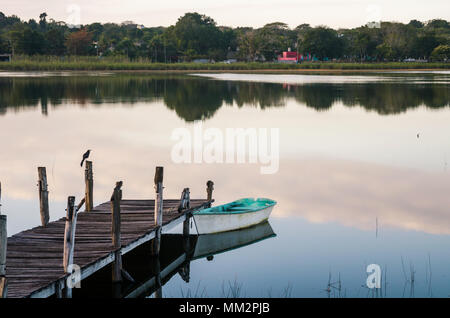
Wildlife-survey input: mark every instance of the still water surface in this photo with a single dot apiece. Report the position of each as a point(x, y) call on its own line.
point(363, 175)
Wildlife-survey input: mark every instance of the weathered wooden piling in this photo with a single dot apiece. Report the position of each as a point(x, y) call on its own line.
point(3, 287)
point(185, 270)
point(186, 224)
point(89, 180)
point(184, 200)
point(115, 232)
point(59, 287)
point(159, 174)
point(69, 240)
point(185, 203)
point(209, 189)
point(43, 195)
point(3, 244)
point(157, 271)
point(81, 204)
point(69, 233)
point(0, 198)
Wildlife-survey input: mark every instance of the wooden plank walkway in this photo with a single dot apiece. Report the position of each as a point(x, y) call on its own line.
point(35, 257)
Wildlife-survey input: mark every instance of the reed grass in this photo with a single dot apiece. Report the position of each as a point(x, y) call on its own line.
point(92, 63)
point(230, 289)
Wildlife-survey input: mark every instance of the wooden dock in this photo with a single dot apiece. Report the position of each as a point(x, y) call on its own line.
point(177, 253)
point(149, 273)
point(42, 261)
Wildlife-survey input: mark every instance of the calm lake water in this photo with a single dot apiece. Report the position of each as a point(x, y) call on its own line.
point(363, 174)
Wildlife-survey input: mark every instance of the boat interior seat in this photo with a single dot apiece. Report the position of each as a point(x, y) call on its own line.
point(239, 209)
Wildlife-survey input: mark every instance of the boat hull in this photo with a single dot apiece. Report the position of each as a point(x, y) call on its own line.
point(216, 223)
point(212, 244)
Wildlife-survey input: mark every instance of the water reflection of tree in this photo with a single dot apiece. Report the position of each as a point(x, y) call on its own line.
point(317, 96)
point(198, 99)
point(390, 98)
point(194, 99)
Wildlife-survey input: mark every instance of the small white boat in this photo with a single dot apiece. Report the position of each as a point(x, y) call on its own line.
point(212, 244)
point(232, 216)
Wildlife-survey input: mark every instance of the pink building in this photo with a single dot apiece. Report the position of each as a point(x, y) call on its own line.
point(289, 57)
point(294, 57)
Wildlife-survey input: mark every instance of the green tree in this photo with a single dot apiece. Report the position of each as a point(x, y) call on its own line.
point(196, 35)
point(43, 21)
point(275, 38)
point(416, 23)
point(322, 42)
point(441, 53)
point(424, 44)
point(127, 48)
point(438, 23)
point(55, 42)
point(24, 40)
point(95, 29)
point(384, 51)
point(400, 38)
point(365, 43)
point(249, 45)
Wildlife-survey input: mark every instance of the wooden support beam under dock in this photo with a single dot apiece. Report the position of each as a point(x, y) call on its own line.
point(34, 260)
point(43, 196)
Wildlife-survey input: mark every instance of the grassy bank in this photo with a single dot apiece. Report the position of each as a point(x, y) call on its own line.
point(93, 64)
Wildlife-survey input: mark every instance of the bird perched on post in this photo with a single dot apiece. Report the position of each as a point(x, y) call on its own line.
point(85, 156)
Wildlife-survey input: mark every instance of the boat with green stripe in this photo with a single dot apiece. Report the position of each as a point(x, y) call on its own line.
point(235, 215)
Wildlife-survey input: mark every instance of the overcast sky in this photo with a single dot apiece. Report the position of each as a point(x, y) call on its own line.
point(256, 13)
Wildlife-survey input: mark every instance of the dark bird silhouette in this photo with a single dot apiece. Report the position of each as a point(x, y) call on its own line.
point(85, 156)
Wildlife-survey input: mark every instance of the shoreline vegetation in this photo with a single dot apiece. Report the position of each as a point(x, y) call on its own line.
point(47, 63)
point(196, 43)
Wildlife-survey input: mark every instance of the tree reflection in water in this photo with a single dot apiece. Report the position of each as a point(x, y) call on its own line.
point(194, 98)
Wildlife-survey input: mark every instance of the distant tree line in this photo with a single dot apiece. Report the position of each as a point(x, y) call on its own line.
point(196, 36)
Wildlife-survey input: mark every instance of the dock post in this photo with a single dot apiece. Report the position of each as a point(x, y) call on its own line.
point(3, 244)
point(69, 239)
point(59, 287)
point(43, 195)
point(185, 200)
point(159, 173)
point(186, 224)
point(0, 198)
point(115, 232)
point(157, 271)
point(209, 189)
point(185, 270)
point(185, 203)
point(89, 180)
